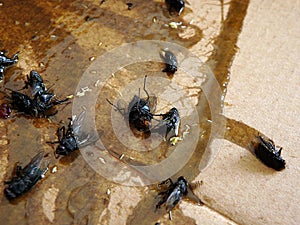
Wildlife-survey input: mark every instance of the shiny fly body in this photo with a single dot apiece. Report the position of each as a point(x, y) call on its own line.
point(170, 122)
point(43, 99)
point(25, 178)
point(170, 61)
point(175, 6)
point(23, 103)
point(174, 192)
point(71, 138)
point(39, 106)
point(138, 113)
point(40, 103)
point(67, 142)
point(6, 62)
point(36, 83)
point(267, 152)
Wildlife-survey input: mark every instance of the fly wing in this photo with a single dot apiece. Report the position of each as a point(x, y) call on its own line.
point(89, 139)
point(173, 199)
point(168, 57)
point(77, 123)
point(34, 164)
point(82, 138)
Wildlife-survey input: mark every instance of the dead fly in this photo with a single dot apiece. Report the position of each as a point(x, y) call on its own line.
point(170, 61)
point(39, 106)
point(173, 193)
point(23, 103)
point(42, 97)
point(71, 138)
point(40, 103)
point(35, 83)
point(25, 178)
point(267, 152)
point(175, 6)
point(6, 62)
point(169, 124)
point(138, 113)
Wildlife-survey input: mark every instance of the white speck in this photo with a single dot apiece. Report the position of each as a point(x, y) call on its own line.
point(53, 37)
point(108, 191)
point(97, 84)
point(54, 169)
point(113, 75)
point(209, 121)
point(174, 25)
point(92, 58)
point(82, 92)
point(102, 160)
point(121, 156)
point(100, 43)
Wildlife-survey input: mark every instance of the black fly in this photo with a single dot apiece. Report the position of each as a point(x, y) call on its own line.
point(25, 178)
point(23, 103)
point(41, 102)
point(36, 83)
point(171, 120)
point(39, 106)
point(267, 152)
point(170, 61)
point(174, 193)
point(175, 6)
point(139, 113)
point(6, 62)
point(66, 140)
point(43, 98)
point(71, 139)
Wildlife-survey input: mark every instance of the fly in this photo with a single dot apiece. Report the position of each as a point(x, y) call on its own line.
point(174, 193)
point(170, 120)
point(138, 113)
point(71, 138)
point(170, 61)
point(5, 62)
point(267, 152)
point(25, 178)
point(40, 103)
